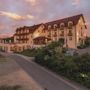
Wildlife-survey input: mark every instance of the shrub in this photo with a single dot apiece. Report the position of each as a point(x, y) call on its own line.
point(87, 41)
point(29, 52)
point(73, 67)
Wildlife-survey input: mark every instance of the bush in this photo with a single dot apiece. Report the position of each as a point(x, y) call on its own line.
point(73, 67)
point(86, 43)
point(83, 62)
point(29, 52)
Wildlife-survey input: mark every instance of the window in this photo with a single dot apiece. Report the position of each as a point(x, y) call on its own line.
point(70, 33)
point(55, 26)
point(27, 31)
point(62, 33)
point(70, 38)
point(49, 33)
point(31, 35)
point(62, 26)
point(49, 27)
point(43, 31)
point(81, 28)
point(21, 31)
point(81, 33)
point(55, 34)
point(55, 38)
point(21, 37)
point(70, 24)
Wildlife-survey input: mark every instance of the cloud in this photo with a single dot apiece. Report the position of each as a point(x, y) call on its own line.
point(76, 2)
point(11, 15)
point(5, 35)
point(29, 16)
point(31, 12)
point(2, 26)
point(15, 16)
point(32, 2)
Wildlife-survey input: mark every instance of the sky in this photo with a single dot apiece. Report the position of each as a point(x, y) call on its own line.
point(18, 13)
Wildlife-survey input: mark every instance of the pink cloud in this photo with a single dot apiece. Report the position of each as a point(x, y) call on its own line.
point(76, 2)
point(15, 16)
point(32, 2)
point(5, 35)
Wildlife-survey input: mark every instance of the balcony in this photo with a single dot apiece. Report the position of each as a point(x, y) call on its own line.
point(49, 35)
point(70, 34)
point(41, 40)
point(61, 28)
point(55, 35)
point(23, 39)
point(61, 34)
point(70, 27)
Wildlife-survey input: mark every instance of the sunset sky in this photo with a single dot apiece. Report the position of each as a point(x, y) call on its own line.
point(16, 13)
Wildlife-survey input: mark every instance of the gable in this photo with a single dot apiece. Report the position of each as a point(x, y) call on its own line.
point(81, 22)
point(38, 32)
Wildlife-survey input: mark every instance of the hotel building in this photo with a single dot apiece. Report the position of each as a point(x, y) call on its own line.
point(71, 29)
point(7, 44)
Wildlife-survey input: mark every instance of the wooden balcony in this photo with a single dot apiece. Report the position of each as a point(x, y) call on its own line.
point(62, 34)
point(70, 34)
point(23, 39)
point(40, 40)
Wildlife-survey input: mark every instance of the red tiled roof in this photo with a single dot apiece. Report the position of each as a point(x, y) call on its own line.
point(74, 19)
point(30, 28)
point(34, 27)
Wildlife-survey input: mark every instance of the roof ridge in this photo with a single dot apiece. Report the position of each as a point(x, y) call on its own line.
point(65, 18)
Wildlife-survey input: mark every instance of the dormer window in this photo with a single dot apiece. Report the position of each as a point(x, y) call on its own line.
point(55, 26)
point(62, 26)
point(70, 24)
point(49, 27)
point(27, 31)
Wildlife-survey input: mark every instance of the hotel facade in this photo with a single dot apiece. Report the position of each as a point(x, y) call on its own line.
point(71, 29)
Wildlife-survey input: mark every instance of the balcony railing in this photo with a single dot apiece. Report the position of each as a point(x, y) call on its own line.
point(61, 34)
point(70, 27)
point(70, 34)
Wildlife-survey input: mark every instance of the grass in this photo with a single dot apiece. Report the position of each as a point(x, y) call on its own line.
point(5, 87)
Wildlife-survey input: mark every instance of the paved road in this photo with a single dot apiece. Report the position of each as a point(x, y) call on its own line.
point(43, 77)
